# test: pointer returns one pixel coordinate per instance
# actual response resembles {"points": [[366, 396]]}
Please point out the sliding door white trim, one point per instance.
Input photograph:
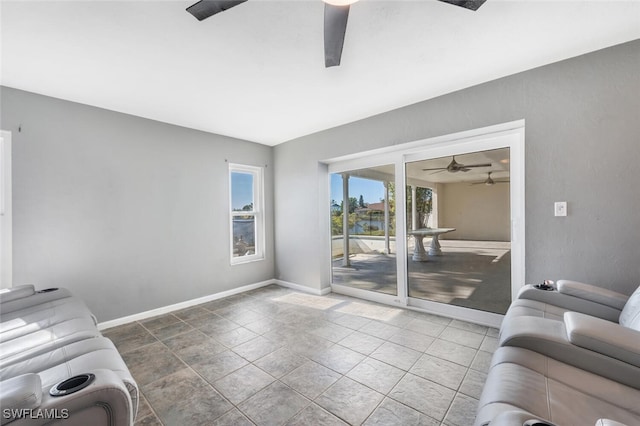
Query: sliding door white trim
{"points": [[509, 135], [6, 220], [514, 140]]}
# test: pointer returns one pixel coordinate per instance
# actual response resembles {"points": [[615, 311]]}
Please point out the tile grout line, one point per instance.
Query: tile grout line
{"points": [[330, 321]]}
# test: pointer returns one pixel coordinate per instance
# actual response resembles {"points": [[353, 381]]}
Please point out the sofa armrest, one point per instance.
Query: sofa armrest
{"points": [[104, 402], [20, 393], [570, 302], [16, 292], [38, 298], [518, 418], [607, 422], [604, 337], [550, 338], [595, 294]]}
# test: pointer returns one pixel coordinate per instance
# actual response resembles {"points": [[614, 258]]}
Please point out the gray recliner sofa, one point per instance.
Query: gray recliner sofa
{"points": [[56, 367], [567, 296], [568, 356]]}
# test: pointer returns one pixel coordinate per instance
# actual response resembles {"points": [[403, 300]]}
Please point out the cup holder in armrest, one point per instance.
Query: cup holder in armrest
{"points": [[545, 288], [536, 422], [47, 290], [532, 422], [72, 384], [547, 285]]}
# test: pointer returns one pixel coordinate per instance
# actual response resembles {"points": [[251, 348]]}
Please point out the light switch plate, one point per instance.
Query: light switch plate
{"points": [[560, 208]]}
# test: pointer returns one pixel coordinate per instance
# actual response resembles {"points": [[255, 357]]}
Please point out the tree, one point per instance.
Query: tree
{"points": [[361, 202], [424, 205], [353, 204], [336, 223]]}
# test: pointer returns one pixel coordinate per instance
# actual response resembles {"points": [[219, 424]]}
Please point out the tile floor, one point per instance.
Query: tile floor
{"points": [[471, 274], [274, 356]]}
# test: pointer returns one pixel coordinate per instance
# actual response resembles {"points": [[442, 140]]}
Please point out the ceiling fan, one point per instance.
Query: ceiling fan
{"points": [[336, 13], [455, 167], [489, 181]]}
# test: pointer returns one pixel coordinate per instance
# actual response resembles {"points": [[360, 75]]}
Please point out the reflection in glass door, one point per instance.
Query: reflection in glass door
{"points": [[363, 224], [458, 228]]}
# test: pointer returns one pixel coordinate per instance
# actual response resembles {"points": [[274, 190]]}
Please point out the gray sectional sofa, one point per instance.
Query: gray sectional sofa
{"points": [[56, 367], [568, 355]]}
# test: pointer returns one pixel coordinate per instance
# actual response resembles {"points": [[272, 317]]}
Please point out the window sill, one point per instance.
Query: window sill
{"points": [[241, 260]]}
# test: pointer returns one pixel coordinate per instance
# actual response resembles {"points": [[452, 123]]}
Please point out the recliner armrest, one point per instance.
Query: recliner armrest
{"points": [[106, 401], [20, 392], [550, 338], [607, 422], [604, 337], [518, 418], [570, 302], [595, 294], [37, 298], [16, 292]]}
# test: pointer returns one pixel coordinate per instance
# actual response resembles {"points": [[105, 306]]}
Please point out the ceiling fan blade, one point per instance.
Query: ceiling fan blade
{"points": [[477, 165], [493, 182], [469, 4], [205, 8], [335, 27], [437, 168]]}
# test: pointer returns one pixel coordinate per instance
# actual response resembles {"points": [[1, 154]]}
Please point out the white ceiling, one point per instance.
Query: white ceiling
{"points": [[498, 158], [256, 72]]}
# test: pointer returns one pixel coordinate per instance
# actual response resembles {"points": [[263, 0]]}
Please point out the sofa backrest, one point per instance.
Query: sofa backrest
{"points": [[630, 315]]}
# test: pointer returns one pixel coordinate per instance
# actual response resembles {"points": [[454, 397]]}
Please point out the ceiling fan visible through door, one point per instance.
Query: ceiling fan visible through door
{"points": [[489, 181], [336, 13], [455, 167]]}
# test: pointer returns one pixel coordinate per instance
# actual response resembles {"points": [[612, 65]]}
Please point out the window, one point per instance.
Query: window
{"points": [[247, 217]]}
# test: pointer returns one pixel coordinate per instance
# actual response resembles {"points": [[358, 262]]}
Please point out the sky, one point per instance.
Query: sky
{"points": [[371, 190], [241, 190]]}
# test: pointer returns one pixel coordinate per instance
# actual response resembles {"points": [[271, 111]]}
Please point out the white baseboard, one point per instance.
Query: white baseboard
{"points": [[182, 305], [303, 288]]}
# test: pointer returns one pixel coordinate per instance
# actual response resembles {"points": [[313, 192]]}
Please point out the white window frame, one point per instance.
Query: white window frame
{"points": [[257, 212]]}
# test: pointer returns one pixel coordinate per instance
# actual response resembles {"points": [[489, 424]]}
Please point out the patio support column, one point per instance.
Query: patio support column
{"points": [[414, 208], [387, 246], [345, 219]]}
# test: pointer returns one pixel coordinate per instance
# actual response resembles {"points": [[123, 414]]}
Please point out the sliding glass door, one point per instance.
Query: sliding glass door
{"points": [[459, 249], [363, 229], [438, 226]]}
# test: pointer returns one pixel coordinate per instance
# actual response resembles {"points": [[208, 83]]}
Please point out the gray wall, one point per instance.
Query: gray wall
{"points": [[478, 212], [128, 213], [582, 146]]}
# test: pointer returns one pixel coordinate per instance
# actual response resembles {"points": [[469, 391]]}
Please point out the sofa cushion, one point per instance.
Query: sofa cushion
{"points": [[520, 379], [35, 318], [630, 315], [46, 339], [533, 308]]}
